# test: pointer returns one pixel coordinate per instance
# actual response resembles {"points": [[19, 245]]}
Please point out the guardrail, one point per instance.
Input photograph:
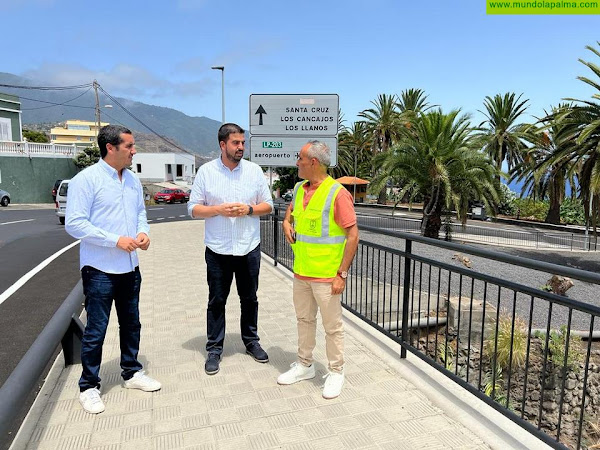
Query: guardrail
{"points": [[32, 149], [511, 345], [488, 235], [64, 328]]}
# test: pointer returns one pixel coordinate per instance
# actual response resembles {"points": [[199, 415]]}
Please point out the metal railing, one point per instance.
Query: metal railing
{"points": [[514, 346], [489, 235], [33, 149], [64, 328]]}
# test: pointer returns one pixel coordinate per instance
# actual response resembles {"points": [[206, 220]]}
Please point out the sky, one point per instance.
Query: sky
{"points": [[161, 52]]}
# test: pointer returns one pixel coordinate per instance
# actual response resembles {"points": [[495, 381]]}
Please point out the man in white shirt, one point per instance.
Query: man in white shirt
{"points": [[105, 209], [231, 193]]}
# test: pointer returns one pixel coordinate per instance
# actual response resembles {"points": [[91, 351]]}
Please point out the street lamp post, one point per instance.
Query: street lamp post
{"points": [[222, 69]]}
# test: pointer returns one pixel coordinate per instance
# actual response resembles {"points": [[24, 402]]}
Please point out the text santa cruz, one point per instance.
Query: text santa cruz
{"points": [[306, 110]]}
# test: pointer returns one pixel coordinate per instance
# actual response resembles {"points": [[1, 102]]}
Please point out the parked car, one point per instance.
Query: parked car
{"points": [[55, 189], [288, 196], [171, 196], [4, 198], [61, 200]]}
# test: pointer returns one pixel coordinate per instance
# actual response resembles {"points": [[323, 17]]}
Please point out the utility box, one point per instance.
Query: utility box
{"points": [[478, 212]]}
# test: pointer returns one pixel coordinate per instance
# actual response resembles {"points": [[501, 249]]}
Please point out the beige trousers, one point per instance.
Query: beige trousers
{"points": [[309, 297]]}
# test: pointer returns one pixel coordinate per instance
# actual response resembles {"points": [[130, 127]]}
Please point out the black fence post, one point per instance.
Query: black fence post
{"points": [[406, 296], [275, 235], [71, 341]]}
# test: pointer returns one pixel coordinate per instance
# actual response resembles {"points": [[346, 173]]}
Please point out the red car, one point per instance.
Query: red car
{"points": [[171, 196]]}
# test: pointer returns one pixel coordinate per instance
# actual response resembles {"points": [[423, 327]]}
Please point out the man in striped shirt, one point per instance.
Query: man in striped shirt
{"points": [[230, 193]]}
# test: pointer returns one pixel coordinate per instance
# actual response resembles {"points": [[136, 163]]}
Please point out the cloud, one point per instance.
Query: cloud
{"points": [[192, 66], [124, 80]]}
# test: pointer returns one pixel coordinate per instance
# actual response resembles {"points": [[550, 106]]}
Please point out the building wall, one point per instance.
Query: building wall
{"points": [[9, 109], [31, 180], [154, 166]]}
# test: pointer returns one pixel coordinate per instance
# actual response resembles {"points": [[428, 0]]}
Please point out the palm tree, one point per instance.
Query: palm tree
{"points": [[544, 173], [382, 123], [502, 137], [437, 158], [587, 116], [354, 146]]}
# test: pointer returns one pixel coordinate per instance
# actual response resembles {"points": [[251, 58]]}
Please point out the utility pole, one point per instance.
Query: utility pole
{"points": [[95, 84], [222, 69]]}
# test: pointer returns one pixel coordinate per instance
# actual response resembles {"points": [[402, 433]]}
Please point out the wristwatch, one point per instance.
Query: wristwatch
{"points": [[250, 210], [343, 274]]}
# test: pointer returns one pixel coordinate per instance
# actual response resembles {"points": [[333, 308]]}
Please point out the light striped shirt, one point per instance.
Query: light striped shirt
{"points": [[100, 209], [215, 184]]}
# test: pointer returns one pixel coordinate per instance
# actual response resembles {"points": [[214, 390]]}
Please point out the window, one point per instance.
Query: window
{"points": [[138, 168], [78, 127], [179, 170], [78, 138], [5, 129], [168, 168], [91, 139]]}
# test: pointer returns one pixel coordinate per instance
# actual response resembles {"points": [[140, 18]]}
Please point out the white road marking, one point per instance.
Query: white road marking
{"points": [[155, 209], [17, 221], [183, 215], [25, 278], [171, 217], [160, 218]]}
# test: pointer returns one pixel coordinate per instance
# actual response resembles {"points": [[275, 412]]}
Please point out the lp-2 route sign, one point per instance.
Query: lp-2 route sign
{"points": [[282, 151], [280, 124]]}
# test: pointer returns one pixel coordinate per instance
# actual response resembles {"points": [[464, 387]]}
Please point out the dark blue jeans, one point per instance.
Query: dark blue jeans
{"points": [[220, 271], [100, 290]]}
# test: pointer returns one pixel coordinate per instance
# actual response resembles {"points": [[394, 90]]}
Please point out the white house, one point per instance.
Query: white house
{"points": [[158, 167]]}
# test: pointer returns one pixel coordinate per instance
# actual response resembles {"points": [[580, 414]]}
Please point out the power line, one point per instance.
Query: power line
{"points": [[52, 104], [114, 100], [47, 88]]}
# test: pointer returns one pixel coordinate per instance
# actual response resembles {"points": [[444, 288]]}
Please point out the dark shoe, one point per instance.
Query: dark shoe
{"points": [[211, 366], [255, 350]]}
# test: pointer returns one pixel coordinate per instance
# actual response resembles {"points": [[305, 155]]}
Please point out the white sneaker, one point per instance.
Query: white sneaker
{"points": [[298, 372], [333, 384], [141, 381], [91, 401]]}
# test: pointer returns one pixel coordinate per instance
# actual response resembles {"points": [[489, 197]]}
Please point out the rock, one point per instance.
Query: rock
{"points": [[535, 396], [560, 285], [570, 384], [550, 405], [463, 259]]}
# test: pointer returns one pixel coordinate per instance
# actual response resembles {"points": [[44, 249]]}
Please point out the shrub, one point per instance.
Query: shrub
{"points": [[528, 208], [506, 201], [556, 345], [571, 212], [519, 342]]}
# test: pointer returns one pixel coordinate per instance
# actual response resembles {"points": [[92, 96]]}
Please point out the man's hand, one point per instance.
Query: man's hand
{"points": [[143, 241], [128, 244], [236, 209], [338, 285], [290, 233]]}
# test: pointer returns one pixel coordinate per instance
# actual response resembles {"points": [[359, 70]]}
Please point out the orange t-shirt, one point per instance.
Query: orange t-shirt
{"points": [[343, 214]]}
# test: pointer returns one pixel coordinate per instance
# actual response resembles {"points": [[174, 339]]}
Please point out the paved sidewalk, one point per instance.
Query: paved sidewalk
{"points": [[241, 407]]}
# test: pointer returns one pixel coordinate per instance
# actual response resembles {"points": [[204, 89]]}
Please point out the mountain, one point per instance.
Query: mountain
{"points": [[195, 134]]}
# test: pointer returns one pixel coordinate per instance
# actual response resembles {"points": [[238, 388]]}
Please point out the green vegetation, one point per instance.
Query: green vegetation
{"points": [[87, 157], [415, 151], [500, 356], [35, 136]]}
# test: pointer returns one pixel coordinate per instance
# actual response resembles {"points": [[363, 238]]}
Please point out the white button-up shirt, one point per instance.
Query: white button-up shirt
{"points": [[215, 184], [100, 209]]}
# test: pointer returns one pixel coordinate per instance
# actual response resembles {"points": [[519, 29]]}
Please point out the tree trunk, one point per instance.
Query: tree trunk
{"points": [[433, 222], [555, 194], [381, 200]]}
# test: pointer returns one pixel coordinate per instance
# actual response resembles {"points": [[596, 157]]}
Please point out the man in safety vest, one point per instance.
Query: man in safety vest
{"points": [[320, 223]]}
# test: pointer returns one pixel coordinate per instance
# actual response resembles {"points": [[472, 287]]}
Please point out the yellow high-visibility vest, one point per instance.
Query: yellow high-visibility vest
{"points": [[320, 242]]}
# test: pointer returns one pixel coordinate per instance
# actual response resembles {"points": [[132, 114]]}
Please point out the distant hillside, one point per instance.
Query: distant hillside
{"points": [[196, 134]]}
